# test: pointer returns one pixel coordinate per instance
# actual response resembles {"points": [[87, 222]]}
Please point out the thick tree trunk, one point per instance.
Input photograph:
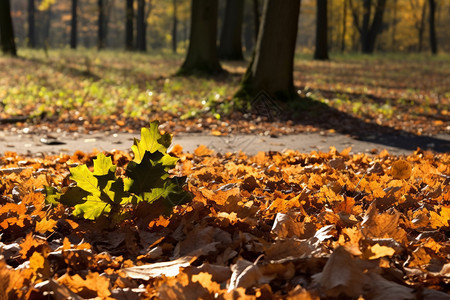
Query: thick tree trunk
{"points": [[129, 15], [141, 40], [432, 25], [6, 29], [73, 28], [367, 5], [369, 33], [174, 27], [101, 24], [321, 51], [202, 56], [271, 69], [31, 24], [231, 37]]}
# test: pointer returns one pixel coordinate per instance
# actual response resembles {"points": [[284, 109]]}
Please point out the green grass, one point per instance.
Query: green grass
{"points": [[101, 86]]}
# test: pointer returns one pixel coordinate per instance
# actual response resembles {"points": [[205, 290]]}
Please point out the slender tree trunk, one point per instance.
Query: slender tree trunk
{"points": [[231, 37], [432, 25], [47, 27], [248, 26], [271, 69], [31, 24], [321, 51], [141, 40], [73, 28], [202, 56], [6, 29], [129, 15], [422, 26], [101, 24], [174, 27], [344, 26]]}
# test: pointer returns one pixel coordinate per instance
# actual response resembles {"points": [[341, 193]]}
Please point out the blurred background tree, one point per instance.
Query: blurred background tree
{"points": [[353, 25]]}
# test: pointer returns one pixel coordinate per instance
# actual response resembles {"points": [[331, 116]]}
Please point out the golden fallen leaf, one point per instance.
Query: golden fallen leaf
{"points": [[401, 169]]}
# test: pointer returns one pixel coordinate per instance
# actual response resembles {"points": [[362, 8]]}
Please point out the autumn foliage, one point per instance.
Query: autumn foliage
{"points": [[275, 225]]}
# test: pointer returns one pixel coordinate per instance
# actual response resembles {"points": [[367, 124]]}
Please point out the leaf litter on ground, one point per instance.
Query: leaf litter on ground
{"points": [[274, 225]]}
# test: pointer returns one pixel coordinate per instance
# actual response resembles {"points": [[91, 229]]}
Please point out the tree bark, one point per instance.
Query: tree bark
{"points": [[141, 39], [129, 15], [271, 68], [369, 32], [202, 57], [432, 25], [321, 51], [7, 29], [231, 36], [101, 24], [174, 27], [73, 28], [31, 24], [367, 6], [422, 26]]}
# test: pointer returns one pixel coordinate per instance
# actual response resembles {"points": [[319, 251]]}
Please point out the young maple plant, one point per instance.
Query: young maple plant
{"points": [[103, 193]]}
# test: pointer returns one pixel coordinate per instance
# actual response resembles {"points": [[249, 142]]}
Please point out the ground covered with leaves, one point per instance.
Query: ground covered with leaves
{"points": [[270, 226], [84, 91]]}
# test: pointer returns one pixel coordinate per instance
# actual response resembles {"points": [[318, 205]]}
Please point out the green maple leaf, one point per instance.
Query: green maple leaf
{"points": [[101, 193], [104, 170], [92, 208], [144, 176], [151, 140], [85, 179], [172, 191]]}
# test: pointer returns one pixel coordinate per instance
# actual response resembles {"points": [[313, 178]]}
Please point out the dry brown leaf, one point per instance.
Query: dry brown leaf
{"points": [[341, 276], [168, 269], [401, 169]]}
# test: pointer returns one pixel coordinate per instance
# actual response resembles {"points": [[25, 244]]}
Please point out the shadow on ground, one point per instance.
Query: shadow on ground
{"points": [[306, 111]]}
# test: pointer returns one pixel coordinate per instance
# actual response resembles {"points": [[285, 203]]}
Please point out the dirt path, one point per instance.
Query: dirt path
{"points": [[251, 144]]}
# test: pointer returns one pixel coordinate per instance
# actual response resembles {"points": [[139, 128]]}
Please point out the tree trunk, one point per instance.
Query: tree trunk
{"points": [[202, 56], [73, 28], [369, 33], [174, 27], [432, 25], [6, 29], [46, 29], [248, 26], [31, 24], [344, 26], [367, 5], [101, 24], [271, 69], [231, 37], [256, 17], [321, 51], [141, 40], [129, 15], [422, 26]]}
